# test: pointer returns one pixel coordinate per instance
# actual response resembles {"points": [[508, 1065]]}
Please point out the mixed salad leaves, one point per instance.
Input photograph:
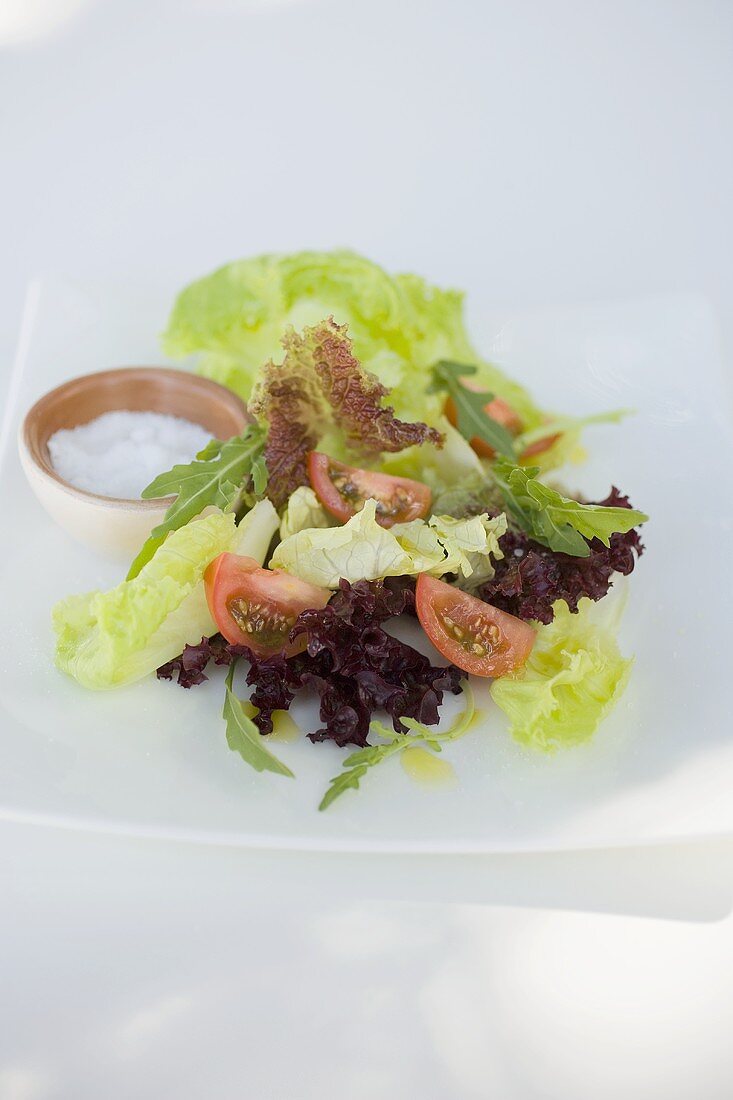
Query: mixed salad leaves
{"points": [[388, 471]]}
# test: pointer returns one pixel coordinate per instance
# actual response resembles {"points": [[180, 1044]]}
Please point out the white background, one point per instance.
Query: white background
{"points": [[533, 153]]}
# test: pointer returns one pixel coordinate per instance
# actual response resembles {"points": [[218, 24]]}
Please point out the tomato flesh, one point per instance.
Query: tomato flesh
{"points": [[502, 412], [257, 607], [343, 489], [478, 638]]}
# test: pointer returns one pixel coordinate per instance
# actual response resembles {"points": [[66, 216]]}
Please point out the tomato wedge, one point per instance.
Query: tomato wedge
{"points": [[343, 489], [538, 447], [502, 412], [257, 607], [472, 634]]}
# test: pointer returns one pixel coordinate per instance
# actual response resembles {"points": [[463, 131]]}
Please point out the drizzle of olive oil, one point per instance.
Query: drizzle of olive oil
{"points": [[283, 727], [426, 768]]}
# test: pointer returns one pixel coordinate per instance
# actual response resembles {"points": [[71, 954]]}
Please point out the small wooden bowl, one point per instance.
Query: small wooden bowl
{"points": [[117, 527]]}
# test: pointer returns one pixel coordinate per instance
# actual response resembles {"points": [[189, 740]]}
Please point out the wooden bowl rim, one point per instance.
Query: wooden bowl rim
{"points": [[205, 386]]}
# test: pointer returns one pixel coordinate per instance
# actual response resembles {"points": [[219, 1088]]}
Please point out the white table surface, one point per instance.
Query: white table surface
{"points": [[534, 152]]}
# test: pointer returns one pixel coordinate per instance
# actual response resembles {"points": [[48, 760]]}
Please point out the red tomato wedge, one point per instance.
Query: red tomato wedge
{"points": [[257, 607], [502, 412], [472, 634], [343, 489], [538, 447]]}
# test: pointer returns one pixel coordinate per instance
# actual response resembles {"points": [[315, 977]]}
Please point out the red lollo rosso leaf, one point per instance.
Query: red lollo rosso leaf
{"points": [[319, 385], [189, 668], [355, 666], [530, 577], [351, 663]]}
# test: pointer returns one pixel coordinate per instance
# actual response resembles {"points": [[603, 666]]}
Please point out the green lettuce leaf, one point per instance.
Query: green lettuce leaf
{"points": [[256, 530], [233, 320], [363, 550], [554, 520], [359, 550], [471, 543], [105, 639], [235, 317], [303, 510], [573, 678], [451, 465]]}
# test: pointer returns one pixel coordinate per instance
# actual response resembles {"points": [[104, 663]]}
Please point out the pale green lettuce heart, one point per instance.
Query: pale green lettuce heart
{"points": [[105, 639], [359, 550], [471, 545], [302, 511], [363, 550], [573, 678], [235, 317], [453, 464]]}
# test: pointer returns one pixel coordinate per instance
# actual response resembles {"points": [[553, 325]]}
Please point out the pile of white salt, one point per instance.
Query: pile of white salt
{"points": [[119, 453]]}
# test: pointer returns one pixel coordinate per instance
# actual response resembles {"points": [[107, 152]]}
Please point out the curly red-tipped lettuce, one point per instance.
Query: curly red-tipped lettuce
{"points": [[188, 669], [530, 577], [351, 663], [320, 386]]}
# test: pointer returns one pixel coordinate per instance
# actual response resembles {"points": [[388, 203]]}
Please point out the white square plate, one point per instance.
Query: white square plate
{"points": [[152, 759]]}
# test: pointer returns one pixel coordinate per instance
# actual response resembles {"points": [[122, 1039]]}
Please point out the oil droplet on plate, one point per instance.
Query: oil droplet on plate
{"points": [[426, 768], [283, 727]]}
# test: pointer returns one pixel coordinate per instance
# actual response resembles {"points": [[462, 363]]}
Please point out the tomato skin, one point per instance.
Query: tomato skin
{"points": [[502, 412], [233, 583], [538, 447], [506, 640], [402, 499]]}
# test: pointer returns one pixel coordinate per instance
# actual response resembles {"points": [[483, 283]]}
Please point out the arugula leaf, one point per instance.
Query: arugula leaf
{"points": [[211, 450], [258, 474], [146, 553], [556, 521], [355, 768], [217, 476], [243, 736], [358, 763], [472, 420]]}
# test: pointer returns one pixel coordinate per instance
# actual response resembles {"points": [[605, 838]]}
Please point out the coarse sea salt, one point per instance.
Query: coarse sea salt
{"points": [[119, 453]]}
